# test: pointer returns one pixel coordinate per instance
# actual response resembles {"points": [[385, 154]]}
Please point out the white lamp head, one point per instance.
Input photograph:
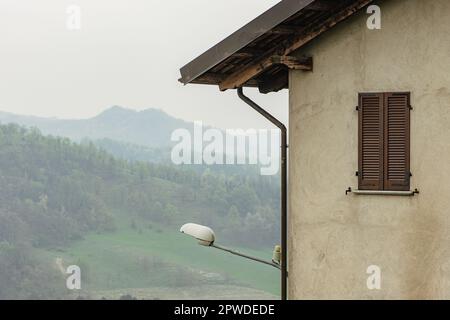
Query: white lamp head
{"points": [[204, 235]]}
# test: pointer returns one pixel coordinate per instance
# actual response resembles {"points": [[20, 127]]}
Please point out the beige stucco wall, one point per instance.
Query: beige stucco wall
{"points": [[334, 237]]}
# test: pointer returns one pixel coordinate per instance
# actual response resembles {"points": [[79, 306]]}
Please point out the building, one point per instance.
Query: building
{"points": [[375, 102]]}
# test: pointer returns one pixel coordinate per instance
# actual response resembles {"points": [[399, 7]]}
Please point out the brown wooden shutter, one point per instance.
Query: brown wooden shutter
{"points": [[371, 141], [397, 141]]}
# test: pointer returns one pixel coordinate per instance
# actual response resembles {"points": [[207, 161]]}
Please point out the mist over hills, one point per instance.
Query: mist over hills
{"points": [[65, 202], [149, 128], [91, 191], [125, 133]]}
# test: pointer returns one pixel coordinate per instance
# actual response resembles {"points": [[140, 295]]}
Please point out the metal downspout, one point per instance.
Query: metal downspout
{"points": [[284, 146]]}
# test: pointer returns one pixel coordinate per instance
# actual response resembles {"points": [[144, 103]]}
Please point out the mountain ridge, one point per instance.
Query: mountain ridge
{"points": [[149, 127]]}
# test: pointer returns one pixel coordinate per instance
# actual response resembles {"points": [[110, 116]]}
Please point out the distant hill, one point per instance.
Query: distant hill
{"points": [[124, 133], [150, 128]]}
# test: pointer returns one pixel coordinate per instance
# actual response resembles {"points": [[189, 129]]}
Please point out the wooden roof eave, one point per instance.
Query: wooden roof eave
{"points": [[267, 66]]}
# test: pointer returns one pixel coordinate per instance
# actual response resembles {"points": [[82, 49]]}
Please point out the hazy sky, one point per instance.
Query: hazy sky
{"points": [[127, 53]]}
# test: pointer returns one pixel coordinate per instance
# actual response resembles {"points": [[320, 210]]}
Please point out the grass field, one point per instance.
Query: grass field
{"points": [[148, 256]]}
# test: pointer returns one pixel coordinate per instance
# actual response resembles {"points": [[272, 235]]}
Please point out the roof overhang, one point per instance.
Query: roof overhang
{"points": [[259, 54]]}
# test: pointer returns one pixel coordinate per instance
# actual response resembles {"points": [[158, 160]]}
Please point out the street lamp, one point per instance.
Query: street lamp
{"points": [[206, 237]]}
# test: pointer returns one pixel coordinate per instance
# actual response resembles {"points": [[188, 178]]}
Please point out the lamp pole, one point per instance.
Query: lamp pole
{"points": [[237, 253]]}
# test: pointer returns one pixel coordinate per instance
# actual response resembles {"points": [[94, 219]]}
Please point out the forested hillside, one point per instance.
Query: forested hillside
{"points": [[54, 192]]}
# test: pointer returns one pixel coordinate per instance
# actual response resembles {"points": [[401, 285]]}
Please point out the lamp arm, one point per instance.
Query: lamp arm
{"points": [[247, 256]]}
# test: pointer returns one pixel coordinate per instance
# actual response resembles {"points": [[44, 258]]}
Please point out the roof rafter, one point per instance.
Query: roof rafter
{"points": [[294, 63], [321, 5]]}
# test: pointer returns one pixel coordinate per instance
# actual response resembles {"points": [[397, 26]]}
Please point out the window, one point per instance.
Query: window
{"points": [[384, 141]]}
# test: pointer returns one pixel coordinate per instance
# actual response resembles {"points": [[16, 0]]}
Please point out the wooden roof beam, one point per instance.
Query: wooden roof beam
{"points": [[294, 63], [321, 5], [215, 78], [248, 53], [285, 30], [304, 63], [255, 68]]}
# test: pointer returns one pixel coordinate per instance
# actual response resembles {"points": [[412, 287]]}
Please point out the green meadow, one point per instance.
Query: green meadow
{"points": [[147, 256]]}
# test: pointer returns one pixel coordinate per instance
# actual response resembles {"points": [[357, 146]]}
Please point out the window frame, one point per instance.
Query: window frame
{"points": [[383, 183]]}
